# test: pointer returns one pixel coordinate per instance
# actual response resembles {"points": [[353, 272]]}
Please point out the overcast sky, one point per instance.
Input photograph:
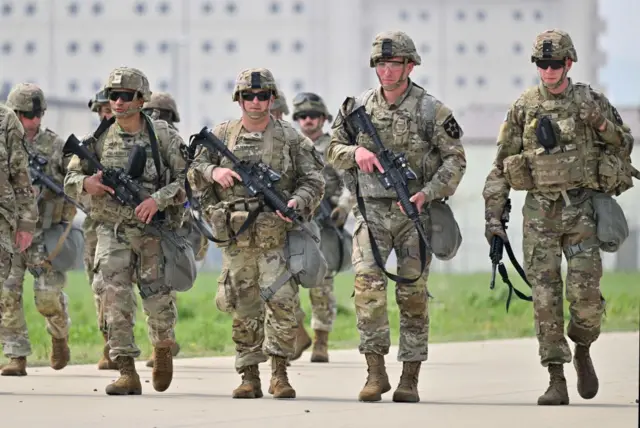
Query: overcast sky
{"points": [[621, 41]]}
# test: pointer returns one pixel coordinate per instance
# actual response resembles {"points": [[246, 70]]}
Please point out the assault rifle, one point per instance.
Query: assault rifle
{"points": [[126, 190], [257, 177]]}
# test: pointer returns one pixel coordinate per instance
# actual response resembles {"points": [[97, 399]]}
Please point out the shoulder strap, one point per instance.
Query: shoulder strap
{"points": [[154, 150], [428, 107], [234, 133], [364, 98]]}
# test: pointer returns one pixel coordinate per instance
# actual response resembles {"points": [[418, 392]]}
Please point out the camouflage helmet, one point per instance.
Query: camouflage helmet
{"points": [[389, 44], [309, 102], [254, 78], [26, 97], [163, 101], [129, 78], [280, 104], [553, 44], [98, 99]]}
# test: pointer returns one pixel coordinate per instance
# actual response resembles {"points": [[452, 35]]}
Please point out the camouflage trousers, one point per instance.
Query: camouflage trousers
{"points": [[548, 228], [50, 300], [392, 230], [259, 330], [124, 253], [323, 306], [90, 243]]}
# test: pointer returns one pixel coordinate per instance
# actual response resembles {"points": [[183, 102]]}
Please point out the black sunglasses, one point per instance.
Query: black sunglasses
{"points": [[123, 95], [304, 115], [555, 64], [32, 114], [262, 95], [305, 96]]}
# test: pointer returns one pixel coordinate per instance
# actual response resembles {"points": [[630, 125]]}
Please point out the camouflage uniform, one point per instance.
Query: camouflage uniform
{"points": [[256, 258], [279, 107], [427, 132], [18, 210], [323, 301], [50, 300], [124, 251], [558, 214]]}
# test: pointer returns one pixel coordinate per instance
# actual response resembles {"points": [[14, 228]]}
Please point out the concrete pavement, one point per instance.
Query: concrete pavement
{"points": [[479, 384]]}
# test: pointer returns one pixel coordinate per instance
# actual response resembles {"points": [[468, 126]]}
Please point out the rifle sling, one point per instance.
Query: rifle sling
{"points": [[505, 276]]}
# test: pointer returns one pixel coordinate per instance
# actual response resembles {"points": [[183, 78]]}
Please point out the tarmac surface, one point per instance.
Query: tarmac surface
{"points": [[477, 384]]}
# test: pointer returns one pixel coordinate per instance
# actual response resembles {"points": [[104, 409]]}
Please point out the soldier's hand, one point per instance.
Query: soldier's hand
{"points": [[339, 216], [291, 204], [590, 112], [23, 240], [366, 160], [494, 228], [418, 199], [93, 185], [146, 210], [224, 176]]}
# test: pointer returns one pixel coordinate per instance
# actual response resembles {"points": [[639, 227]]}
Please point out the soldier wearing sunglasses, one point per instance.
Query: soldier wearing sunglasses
{"points": [[29, 103], [560, 165]]}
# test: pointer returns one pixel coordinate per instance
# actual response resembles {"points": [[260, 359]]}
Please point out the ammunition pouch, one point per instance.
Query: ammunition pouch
{"points": [[236, 220], [219, 219], [64, 243], [225, 295], [517, 172], [445, 232], [562, 166]]}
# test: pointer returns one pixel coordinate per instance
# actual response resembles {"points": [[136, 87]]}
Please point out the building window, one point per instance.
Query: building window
{"points": [[424, 15], [481, 81], [425, 48], [461, 81], [72, 86], [298, 85], [72, 48], [460, 15], [72, 9], [140, 8], [274, 46], [403, 15], [230, 85], [274, 7], [140, 47], [30, 47], [97, 8], [96, 47], [231, 8], [206, 46], [481, 48], [206, 85], [30, 9], [163, 47], [298, 7], [517, 15], [231, 46], [6, 9], [517, 48], [6, 48], [517, 82], [207, 8], [6, 88], [424, 81], [481, 15], [163, 85], [537, 15], [298, 46], [97, 85], [461, 48], [164, 8]]}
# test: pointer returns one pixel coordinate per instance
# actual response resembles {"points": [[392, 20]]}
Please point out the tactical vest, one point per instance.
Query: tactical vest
{"points": [[333, 180], [400, 131]]}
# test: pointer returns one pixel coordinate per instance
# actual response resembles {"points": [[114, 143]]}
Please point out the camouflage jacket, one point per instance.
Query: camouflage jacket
{"points": [[581, 147], [112, 149], [280, 146], [334, 188], [418, 125], [18, 210], [52, 209]]}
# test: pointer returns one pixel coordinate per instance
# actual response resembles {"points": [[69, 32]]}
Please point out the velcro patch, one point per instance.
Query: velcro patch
{"points": [[451, 127]]}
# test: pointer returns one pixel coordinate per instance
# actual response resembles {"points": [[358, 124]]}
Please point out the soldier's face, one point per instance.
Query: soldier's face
{"points": [[277, 114], [124, 102], [256, 102], [551, 70], [105, 112], [310, 122], [30, 121], [392, 70]]}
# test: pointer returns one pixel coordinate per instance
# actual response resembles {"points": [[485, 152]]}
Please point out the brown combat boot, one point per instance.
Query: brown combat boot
{"points": [[250, 386], [303, 342], [129, 382], [279, 386], [105, 362], [16, 367], [60, 353], [587, 379], [162, 373], [175, 348], [557, 393], [377, 379], [320, 353], [407, 391]]}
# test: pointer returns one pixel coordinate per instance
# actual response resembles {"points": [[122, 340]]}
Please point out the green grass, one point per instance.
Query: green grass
{"points": [[463, 308]]}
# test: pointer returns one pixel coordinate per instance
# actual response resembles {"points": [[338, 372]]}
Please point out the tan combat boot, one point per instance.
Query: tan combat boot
{"points": [[175, 348], [16, 367], [250, 386], [557, 393], [129, 382], [162, 372], [587, 379], [303, 342], [407, 391], [105, 362], [320, 353], [377, 379], [279, 386], [60, 353]]}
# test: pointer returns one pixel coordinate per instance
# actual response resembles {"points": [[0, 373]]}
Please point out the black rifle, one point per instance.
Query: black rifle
{"points": [[396, 175], [257, 177], [126, 190], [496, 253]]}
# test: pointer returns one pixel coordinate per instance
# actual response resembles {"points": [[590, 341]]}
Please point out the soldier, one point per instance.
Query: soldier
{"points": [[124, 250], [311, 113], [558, 211], [28, 102], [99, 104], [408, 120], [17, 201], [279, 107], [255, 258]]}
